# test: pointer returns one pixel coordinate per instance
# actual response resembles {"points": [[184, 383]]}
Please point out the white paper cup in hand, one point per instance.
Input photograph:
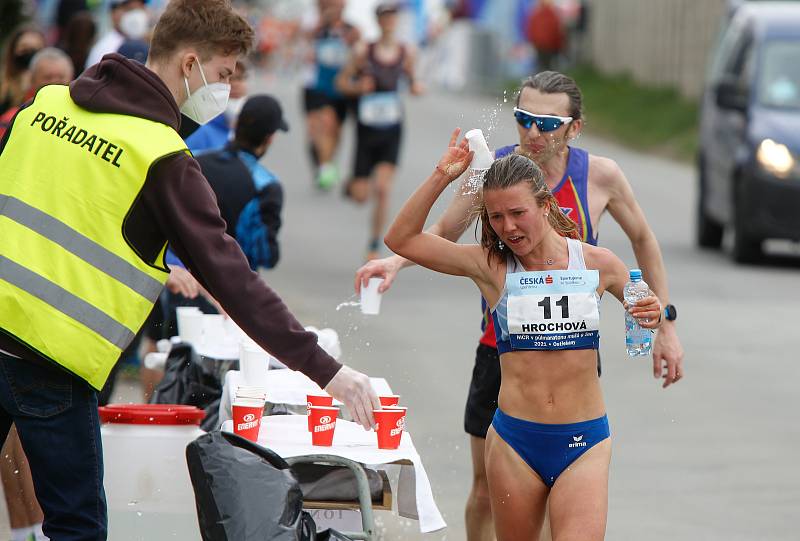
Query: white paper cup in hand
{"points": [[370, 298]]}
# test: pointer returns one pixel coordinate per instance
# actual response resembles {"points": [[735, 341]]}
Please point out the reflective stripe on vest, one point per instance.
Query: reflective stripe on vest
{"points": [[85, 248], [71, 286], [65, 302]]}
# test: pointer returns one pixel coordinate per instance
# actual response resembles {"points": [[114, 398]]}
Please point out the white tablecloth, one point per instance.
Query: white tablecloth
{"points": [[288, 436], [284, 387]]}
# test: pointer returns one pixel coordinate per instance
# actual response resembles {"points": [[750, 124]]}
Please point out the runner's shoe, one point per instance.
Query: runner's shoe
{"points": [[328, 176], [373, 250]]}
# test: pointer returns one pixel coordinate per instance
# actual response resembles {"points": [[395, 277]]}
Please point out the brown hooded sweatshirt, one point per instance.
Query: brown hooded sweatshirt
{"points": [[178, 205]]}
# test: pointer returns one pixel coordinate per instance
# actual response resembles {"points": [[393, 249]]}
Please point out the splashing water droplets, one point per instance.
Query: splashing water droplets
{"points": [[472, 184], [347, 304]]}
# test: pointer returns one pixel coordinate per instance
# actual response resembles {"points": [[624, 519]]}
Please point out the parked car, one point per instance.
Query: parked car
{"points": [[749, 156]]}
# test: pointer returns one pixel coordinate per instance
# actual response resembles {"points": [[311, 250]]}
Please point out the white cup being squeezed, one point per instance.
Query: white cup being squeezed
{"points": [[370, 298]]}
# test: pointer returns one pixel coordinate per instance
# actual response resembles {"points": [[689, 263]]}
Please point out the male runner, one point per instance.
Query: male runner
{"points": [[326, 108], [549, 115]]}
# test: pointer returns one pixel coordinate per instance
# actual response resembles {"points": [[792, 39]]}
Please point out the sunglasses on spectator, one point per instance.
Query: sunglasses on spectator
{"points": [[544, 123]]}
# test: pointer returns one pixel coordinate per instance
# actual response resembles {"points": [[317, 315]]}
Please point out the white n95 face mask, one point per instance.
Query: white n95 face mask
{"points": [[134, 23], [207, 102]]}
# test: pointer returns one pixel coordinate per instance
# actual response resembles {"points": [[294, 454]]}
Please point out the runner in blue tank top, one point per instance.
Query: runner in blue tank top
{"points": [[548, 116], [550, 441], [326, 108]]}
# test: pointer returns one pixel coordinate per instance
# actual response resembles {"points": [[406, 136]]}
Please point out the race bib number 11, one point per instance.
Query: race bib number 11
{"points": [[553, 310]]}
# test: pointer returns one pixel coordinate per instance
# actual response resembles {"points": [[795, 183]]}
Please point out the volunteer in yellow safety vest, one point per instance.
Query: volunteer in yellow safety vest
{"points": [[94, 181]]}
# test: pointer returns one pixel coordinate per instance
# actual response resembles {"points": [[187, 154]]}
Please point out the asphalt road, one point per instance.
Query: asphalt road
{"points": [[710, 458]]}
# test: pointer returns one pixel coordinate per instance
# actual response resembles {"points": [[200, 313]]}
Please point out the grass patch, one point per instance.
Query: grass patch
{"points": [[653, 119]]}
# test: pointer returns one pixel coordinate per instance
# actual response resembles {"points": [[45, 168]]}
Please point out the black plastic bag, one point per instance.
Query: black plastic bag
{"points": [[211, 420], [186, 380], [245, 492], [334, 483]]}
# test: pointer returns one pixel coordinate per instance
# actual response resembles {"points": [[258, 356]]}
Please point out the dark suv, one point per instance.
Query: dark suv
{"points": [[749, 159]]}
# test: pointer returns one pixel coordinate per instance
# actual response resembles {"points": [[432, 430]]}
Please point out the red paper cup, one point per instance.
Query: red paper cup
{"points": [[389, 400], [390, 424], [247, 414], [323, 424], [316, 400], [404, 409]]}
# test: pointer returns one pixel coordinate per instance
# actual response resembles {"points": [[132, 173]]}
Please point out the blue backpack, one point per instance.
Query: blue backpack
{"points": [[252, 233]]}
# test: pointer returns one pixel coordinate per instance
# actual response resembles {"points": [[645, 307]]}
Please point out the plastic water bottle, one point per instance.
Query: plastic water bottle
{"points": [[637, 339]]}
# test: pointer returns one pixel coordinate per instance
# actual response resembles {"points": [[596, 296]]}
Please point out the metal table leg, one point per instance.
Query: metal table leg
{"points": [[364, 496]]}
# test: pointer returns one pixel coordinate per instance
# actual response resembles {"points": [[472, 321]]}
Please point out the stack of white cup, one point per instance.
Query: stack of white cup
{"points": [[251, 392], [247, 410]]}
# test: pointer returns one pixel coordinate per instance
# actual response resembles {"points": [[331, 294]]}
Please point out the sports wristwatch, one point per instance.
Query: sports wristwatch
{"points": [[670, 313]]}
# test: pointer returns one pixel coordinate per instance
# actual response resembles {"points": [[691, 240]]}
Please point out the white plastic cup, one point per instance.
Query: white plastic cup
{"points": [[483, 156], [214, 331], [370, 298], [190, 324], [155, 360], [253, 364], [233, 331], [255, 392]]}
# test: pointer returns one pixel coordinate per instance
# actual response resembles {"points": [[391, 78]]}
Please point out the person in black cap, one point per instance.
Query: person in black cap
{"points": [[250, 197]]}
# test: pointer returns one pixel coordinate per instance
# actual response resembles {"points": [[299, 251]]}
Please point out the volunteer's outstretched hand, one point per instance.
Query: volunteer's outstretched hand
{"points": [[355, 391]]}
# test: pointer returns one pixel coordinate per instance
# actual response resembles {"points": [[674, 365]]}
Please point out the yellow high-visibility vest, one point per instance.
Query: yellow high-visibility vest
{"points": [[72, 287]]}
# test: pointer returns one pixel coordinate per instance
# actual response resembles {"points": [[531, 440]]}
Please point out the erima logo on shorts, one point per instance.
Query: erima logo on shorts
{"points": [[577, 442]]}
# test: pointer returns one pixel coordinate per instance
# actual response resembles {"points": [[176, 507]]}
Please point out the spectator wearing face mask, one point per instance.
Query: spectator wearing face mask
{"points": [[216, 134], [129, 20], [20, 48]]}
